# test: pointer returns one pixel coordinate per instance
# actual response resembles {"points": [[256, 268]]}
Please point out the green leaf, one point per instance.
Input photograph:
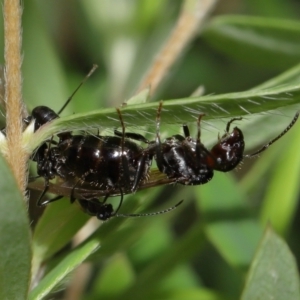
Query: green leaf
{"points": [[55, 229], [289, 77], [141, 97], [256, 40], [181, 251], [228, 224], [188, 293], [175, 111], [15, 249], [116, 276], [273, 274], [235, 240], [41, 54], [67, 265], [281, 199]]}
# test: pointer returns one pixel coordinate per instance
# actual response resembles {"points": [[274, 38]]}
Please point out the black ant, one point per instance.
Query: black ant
{"points": [[189, 162], [117, 163], [110, 163]]}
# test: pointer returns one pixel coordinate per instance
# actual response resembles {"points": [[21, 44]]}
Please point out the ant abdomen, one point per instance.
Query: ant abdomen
{"points": [[98, 161]]}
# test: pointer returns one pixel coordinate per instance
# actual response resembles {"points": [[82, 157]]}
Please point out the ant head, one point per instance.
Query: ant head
{"points": [[105, 212], [42, 115], [228, 152], [94, 207]]}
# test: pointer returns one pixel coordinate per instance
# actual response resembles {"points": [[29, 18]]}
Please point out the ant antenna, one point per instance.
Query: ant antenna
{"points": [[149, 214], [81, 83], [275, 139], [231, 121], [157, 138], [198, 140]]}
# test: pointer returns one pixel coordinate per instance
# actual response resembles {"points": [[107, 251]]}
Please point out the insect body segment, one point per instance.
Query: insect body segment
{"points": [[98, 160], [228, 152], [181, 158]]}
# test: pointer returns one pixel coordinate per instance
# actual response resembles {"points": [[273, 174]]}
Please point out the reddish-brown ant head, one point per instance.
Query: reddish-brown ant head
{"points": [[228, 152]]}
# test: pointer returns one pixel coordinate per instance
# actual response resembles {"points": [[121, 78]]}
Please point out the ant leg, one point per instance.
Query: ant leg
{"points": [[125, 178], [72, 196], [276, 138], [140, 171], [200, 148], [231, 121], [105, 198], [199, 128], [133, 136], [158, 150], [51, 200], [186, 131], [34, 178], [199, 145], [142, 161], [120, 204], [51, 141], [46, 187]]}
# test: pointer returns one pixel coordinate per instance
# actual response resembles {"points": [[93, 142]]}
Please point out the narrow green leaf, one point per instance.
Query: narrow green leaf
{"points": [[273, 274], [228, 224], [42, 55], [282, 195], [182, 250], [65, 267], [235, 240], [55, 229], [175, 111], [289, 77], [141, 97], [15, 248], [116, 276], [256, 40], [190, 294]]}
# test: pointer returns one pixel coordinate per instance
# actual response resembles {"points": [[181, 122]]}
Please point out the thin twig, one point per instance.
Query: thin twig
{"points": [[16, 154], [190, 21]]}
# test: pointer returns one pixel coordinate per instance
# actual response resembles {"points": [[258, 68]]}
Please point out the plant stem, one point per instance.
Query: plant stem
{"points": [[16, 154], [190, 21]]}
